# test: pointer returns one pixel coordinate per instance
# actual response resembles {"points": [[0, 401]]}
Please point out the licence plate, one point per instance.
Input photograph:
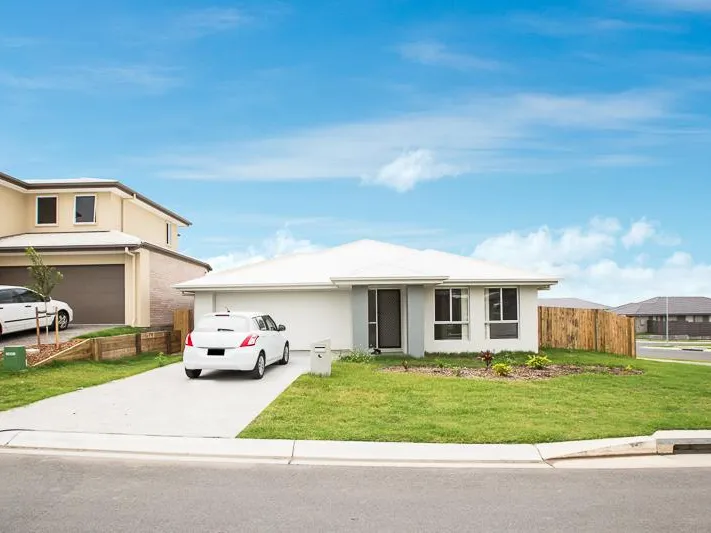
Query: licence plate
{"points": [[215, 351]]}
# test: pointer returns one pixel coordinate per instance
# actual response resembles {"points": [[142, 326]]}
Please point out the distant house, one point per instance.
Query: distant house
{"points": [[688, 315], [117, 249], [570, 303]]}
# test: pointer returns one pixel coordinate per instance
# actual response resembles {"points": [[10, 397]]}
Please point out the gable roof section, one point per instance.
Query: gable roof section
{"points": [[361, 263], [93, 183], [570, 303], [678, 305]]}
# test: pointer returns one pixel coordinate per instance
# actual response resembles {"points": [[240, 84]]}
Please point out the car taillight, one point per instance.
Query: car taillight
{"points": [[188, 340], [250, 340]]}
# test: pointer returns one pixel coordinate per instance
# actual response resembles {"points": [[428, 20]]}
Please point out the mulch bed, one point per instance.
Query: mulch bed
{"points": [[46, 351], [518, 373]]}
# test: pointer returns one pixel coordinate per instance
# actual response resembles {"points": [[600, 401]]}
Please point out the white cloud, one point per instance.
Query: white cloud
{"points": [[437, 54], [640, 232], [565, 26], [476, 136], [90, 79], [281, 243], [410, 168], [587, 260]]}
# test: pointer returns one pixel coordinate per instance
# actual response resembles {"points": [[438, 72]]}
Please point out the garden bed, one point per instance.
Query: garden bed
{"points": [[46, 351], [516, 373]]}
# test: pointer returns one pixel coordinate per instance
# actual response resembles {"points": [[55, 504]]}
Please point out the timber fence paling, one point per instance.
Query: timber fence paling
{"points": [[586, 329]]}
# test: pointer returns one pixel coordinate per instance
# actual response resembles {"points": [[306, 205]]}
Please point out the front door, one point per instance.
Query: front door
{"points": [[384, 319]]}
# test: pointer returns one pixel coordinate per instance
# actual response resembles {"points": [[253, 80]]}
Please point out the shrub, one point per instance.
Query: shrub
{"points": [[458, 371], [487, 356], [357, 356], [502, 369], [161, 359], [405, 365], [538, 362]]}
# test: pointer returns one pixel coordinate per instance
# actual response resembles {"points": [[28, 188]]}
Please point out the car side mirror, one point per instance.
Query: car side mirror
{"points": [[281, 327]]}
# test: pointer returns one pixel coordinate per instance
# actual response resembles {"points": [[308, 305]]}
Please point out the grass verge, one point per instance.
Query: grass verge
{"points": [[112, 332], [22, 388], [359, 402]]}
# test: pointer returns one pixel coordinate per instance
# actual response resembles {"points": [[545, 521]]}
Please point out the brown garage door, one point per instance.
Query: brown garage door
{"points": [[95, 293]]}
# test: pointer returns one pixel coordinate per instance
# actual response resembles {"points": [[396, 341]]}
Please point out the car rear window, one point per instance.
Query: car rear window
{"points": [[223, 322]]}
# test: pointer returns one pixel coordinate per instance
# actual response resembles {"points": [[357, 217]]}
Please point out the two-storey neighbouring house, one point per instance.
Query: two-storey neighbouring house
{"points": [[117, 249]]}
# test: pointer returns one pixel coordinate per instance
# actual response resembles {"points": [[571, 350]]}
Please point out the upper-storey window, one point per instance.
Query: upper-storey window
{"points": [[169, 233], [46, 211], [85, 209]]}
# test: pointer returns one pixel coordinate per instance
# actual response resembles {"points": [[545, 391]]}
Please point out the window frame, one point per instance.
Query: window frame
{"points": [[466, 323], [488, 320], [168, 233], [56, 210], [77, 196]]}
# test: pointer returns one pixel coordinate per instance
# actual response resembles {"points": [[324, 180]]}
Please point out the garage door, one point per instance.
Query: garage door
{"points": [[95, 293], [309, 316]]}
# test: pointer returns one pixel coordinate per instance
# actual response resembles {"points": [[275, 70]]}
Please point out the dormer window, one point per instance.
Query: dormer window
{"points": [[85, 209], [46, 211]]}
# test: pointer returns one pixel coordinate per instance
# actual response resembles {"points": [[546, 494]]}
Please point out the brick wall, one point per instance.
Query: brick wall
{"points": [[166, 271]]}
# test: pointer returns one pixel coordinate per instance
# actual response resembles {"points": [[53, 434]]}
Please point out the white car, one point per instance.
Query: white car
{"points": [[235, 341], [19, 306]]}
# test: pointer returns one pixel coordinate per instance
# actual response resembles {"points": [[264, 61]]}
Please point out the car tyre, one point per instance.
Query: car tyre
{"points": [[285, 356], [63, 320], [193, 373], [259, 367]]}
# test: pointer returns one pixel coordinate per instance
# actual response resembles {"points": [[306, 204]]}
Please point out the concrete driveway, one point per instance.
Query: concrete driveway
{"points": [[25, 338], [162, 402]]}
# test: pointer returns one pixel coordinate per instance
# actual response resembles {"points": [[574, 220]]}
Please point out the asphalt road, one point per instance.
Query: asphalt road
{"points": [[57, 494], [649, 350]]}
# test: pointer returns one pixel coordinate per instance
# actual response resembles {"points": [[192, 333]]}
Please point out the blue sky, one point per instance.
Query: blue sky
{"points": [[570, 137]]}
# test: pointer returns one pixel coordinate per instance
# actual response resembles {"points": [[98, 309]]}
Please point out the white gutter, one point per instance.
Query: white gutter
{"points": [[135, 285]]}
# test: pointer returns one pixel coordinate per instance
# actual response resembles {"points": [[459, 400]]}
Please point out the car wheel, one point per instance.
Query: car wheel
{"points": [[193, 373], [259, 366], [63, 320], [285, 356]]}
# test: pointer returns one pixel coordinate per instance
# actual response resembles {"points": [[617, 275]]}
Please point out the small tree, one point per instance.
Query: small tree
{"points": [[43, 278]]}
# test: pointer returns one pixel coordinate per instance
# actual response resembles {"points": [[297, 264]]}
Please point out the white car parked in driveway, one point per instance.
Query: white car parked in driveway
{"points": [[19, 305], [235, 341]]}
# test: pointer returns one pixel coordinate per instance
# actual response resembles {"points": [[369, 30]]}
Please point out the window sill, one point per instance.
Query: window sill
{"points": [[85, 223], [46, 225]]}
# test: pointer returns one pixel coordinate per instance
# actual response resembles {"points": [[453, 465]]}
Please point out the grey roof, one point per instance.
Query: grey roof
{"points": [[570, 303], [678, 305]]}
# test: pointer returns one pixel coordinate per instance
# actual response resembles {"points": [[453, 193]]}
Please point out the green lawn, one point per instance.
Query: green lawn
{"points": [[112, 332], [21, 388], [361, 403]]}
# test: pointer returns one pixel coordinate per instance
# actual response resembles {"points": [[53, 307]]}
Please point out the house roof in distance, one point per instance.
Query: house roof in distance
{"points": [[365, 262], [91, 183], [570, 303], [678, 305]]}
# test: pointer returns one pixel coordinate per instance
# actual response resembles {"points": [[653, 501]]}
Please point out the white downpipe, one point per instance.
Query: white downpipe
{"points": [[134, 313]]}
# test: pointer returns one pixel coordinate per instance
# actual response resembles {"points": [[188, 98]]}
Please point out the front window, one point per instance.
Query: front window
{"points": [[46, 210], [502, 313], [451, 314], [85, 209]]}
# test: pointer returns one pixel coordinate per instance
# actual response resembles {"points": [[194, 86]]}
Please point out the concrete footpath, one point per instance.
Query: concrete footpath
{"points": [[651, 451]]}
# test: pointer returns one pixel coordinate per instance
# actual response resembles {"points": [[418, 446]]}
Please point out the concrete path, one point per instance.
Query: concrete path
{"points": [[161, 402], [651, 350]]}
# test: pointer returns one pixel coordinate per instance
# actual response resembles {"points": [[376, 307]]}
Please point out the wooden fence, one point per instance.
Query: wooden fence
{"points": [[586, 329], [109, 348], [183, 323]]}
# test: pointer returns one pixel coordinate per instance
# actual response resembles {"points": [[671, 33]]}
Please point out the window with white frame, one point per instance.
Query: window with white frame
{"points": [[451, 314], [168, 233], [85, 209], [502, 313]]}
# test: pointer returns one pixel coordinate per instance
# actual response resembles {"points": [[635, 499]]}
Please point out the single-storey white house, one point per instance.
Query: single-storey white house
{"points": [[370, 294]]}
